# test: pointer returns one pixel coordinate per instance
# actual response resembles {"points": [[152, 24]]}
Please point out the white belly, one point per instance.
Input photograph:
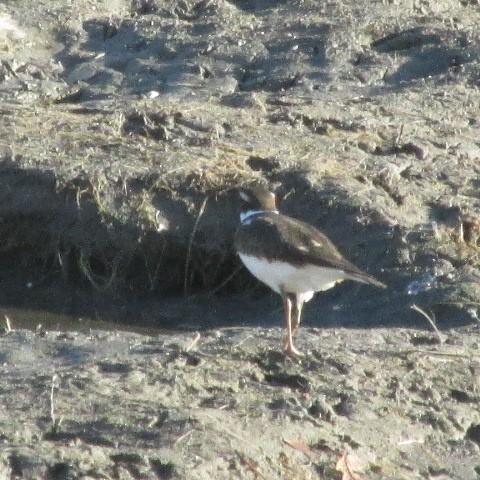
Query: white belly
{"points": [[281, 276]]}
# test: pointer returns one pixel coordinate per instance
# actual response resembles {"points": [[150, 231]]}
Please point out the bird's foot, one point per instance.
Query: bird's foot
{"points": [[290, 350]]}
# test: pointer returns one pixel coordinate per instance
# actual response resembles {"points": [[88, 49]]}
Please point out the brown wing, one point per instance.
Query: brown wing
{"points": [[277, 236]]}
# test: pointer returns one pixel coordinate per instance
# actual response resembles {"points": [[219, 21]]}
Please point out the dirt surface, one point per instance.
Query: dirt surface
{"points": [[392, 403], [125, 128]]}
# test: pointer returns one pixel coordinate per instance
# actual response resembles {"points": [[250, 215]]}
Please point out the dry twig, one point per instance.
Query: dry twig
{"points": [[190, 244], [430, 320], [194, 342], [8, 325]]}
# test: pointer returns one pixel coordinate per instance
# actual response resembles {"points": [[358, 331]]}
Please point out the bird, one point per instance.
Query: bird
{"points": [[290, 256]]}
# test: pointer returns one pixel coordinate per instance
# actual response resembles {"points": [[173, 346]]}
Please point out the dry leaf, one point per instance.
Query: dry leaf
{"points": [[301, 447]]}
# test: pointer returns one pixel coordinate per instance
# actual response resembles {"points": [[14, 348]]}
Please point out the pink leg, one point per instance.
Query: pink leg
{"points": [[297, 314], [288, 347]]}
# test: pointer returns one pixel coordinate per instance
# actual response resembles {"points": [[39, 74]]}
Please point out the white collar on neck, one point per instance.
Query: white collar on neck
{"points": [[247, 217]]}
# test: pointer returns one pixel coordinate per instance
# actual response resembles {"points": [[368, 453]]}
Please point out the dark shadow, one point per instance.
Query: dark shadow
{"points": [[60, 253], [106, 432], [256, 6], [430, 62], [428, 53], [144, 63], [123, 55], [276, 70]]}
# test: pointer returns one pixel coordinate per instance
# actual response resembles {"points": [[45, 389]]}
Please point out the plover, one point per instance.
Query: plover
{"points": [[290, 256]]}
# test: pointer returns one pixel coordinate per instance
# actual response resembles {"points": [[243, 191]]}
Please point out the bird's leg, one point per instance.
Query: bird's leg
{"points": [[297, 305], [288, 346], [287, 308]]}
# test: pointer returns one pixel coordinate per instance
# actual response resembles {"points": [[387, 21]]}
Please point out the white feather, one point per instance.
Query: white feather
{"points": [[246, 217], [282, 276]]}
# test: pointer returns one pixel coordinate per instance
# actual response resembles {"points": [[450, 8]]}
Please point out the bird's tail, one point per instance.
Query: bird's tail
{"points": [[365, 278]]}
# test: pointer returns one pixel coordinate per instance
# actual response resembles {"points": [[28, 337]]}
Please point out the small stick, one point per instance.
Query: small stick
{"points": [[8, 325], [399, 136], [218, 287], [430, 320], [241, 342], [410, 441], [181, 437], [441, 354], [56, 422], [52, 400], [193, 342], [190, 244]]}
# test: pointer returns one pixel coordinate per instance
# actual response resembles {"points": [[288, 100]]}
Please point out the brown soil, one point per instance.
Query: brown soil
{"points": [[127, 125]]}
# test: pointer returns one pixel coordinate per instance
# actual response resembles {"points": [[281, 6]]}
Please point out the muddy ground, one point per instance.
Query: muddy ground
{"points": [[229, 405], [125, 128]]}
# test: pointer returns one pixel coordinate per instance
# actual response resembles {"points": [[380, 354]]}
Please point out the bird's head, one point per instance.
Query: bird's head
{"points": [[256, 200]]}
